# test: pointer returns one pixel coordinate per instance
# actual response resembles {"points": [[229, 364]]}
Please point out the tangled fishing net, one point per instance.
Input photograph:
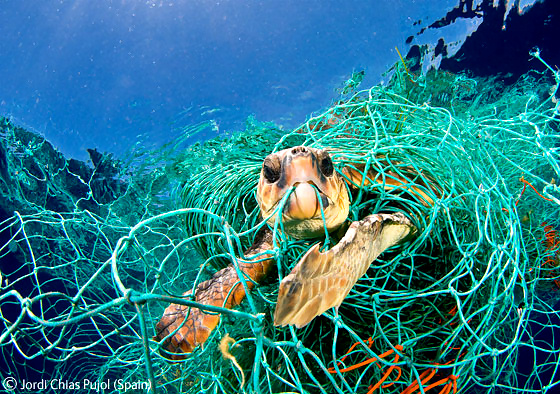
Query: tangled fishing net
{"points": [[95, 255]]}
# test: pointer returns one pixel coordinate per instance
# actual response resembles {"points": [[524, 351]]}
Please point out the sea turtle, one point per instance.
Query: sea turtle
{"points": [[318, 199]]}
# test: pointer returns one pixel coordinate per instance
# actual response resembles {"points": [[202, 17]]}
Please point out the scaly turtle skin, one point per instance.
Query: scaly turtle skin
{"points": [[320, 280]]}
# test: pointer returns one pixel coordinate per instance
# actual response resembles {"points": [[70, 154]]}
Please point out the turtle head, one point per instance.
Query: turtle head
{"points": [[310, 172]]}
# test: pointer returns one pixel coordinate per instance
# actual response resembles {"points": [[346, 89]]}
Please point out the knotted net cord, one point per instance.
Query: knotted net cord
{"points": [[453, 309]]}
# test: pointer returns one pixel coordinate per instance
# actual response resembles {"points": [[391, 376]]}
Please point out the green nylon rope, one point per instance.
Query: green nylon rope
{"points": [[472, 292]]}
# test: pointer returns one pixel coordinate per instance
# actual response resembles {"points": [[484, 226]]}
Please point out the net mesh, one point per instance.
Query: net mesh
{"points": [[93, 254]]}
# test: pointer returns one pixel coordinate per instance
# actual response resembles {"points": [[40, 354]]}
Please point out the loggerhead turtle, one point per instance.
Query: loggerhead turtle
{"points": [[319, 198]]}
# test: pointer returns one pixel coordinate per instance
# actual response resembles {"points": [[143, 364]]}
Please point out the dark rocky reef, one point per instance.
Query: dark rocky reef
{"points": [[500, 45], [34, 176]]}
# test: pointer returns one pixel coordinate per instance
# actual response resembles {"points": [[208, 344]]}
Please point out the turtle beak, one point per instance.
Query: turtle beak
{"points": [[304, 202]]}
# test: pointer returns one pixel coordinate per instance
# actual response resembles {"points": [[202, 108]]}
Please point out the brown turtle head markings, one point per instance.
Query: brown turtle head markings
{"points": [[308, 171]]}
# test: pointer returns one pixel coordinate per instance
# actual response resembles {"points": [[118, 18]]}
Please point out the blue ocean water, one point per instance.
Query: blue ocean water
{"points": [[107, 75], [96, 74]]}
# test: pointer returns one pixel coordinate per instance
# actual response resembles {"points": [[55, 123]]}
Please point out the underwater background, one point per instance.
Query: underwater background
{"points": [[132, 137]]}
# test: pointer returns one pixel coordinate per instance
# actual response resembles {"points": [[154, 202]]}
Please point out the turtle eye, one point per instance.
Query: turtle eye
{"points": [[271, 169], [326, 165]]}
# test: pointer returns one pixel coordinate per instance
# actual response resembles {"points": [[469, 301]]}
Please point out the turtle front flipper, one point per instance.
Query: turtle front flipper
{"points": [[224, 289], [320, 281]]}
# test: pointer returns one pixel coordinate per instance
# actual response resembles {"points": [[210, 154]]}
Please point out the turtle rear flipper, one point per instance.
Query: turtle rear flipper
{"points": [[320, 281]]}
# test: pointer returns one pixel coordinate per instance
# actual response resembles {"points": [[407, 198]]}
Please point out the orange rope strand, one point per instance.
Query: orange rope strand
{"points": [[386, 374], [438, 383], [368, 361], [333, 370], [410, 389], [450, 382], [533, 187], [525, 183], [371, 360], [446, 389]]}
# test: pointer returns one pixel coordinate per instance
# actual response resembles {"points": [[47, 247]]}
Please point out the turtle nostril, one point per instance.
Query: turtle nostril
{"points": [[299, 150]]}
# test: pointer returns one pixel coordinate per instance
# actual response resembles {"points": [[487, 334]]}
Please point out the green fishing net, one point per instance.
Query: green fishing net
{"points": [[467, 304]]}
